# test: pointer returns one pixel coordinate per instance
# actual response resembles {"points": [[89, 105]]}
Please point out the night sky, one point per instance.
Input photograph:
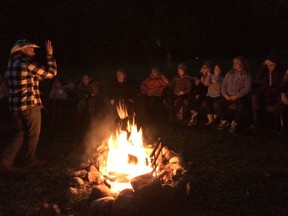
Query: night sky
{"points": [[87, 32]]}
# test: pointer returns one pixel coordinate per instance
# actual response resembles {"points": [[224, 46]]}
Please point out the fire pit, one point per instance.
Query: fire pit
{"points": [[125, 175]]}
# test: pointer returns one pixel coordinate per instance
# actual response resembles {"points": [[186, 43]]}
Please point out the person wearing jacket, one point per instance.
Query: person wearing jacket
{"points": [[23, 76], [181, 87], [234, 89]]}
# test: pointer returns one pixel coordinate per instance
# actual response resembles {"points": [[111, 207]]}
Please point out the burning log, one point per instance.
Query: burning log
{"points": [[147, 186]]}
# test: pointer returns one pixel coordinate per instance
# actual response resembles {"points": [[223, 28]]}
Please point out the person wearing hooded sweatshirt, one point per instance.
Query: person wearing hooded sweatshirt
{"points": [[181, 85], [234, 89], [23, 76], [268, 81]]}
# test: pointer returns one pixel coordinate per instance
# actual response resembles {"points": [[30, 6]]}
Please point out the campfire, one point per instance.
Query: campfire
{"points": [[126, 156], [125, 174]]}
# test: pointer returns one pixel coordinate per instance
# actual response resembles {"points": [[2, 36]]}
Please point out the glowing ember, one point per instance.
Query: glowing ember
{"points": [[127, 157]]}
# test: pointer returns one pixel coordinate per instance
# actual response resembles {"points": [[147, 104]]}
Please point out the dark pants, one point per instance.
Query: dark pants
{"points": [[222, 105], [27, 124], [175, 103], [196, 102], [154, 106], [210, 104]]}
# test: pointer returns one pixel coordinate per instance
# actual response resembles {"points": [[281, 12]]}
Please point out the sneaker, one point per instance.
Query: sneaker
{"points": [[233, 127], [209, 123], [193, 120], [223, 124]]}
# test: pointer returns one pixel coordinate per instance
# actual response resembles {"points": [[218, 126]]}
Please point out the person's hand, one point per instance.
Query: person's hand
{"points": [[227, 97], [49, 47], [180, 93], [233, 97]]}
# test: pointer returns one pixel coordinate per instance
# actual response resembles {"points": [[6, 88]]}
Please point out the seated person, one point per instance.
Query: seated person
{"points": [[199, 92], [181, 86], [120, 92], [152, 89], [213, 81], [234, 89], [268, 81], [87, 91]]}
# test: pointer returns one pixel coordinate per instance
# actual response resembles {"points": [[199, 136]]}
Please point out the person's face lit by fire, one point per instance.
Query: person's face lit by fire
{"points": [[86, 80], [238, 64], [120, 76], [217, 71], [181, 72], [205, 70], [154, 74], [270, 65], [28, 51]]}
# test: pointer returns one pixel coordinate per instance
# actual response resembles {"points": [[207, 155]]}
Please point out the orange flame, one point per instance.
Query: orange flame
{"points": [[127, 156]]}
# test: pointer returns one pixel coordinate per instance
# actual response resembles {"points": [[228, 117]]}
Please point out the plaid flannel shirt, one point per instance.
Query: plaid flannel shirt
{"points": [[23, 77]]}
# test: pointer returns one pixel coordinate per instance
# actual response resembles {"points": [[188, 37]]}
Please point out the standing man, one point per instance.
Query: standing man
{"points": [[22, 76]]}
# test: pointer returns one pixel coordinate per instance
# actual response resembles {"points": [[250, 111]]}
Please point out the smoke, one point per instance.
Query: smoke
{"points": [[99, 132]]}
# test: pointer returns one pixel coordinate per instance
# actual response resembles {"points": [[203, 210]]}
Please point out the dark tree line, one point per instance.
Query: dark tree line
{"points": [[89, 31]]}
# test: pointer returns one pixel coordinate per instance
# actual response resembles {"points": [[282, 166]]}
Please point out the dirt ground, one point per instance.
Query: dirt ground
{"points": [[234, 174]]}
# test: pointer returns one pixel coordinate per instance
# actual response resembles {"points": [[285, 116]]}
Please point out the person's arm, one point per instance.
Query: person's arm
{"points": [[247, 87], [207, 79], [50, 70]]}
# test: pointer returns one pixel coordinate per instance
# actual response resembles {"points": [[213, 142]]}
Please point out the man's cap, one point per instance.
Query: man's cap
{"points": [[21, 44]]}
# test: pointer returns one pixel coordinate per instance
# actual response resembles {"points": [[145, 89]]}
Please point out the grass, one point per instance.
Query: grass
{"points": [[233, 174]]}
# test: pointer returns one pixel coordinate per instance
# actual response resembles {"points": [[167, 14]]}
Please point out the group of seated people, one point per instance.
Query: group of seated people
{"points": [[251, 96], [211, 92]]}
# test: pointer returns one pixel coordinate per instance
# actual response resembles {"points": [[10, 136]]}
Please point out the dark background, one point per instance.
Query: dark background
{"points": [[122, 31]]}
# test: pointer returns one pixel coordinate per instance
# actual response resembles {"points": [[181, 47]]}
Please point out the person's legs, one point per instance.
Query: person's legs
{"points": [[240, 106], [32, 118], [15, 142], [209, 110], [220, 108]]}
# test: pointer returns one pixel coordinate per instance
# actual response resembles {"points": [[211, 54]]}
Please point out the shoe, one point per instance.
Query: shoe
{"points": [[193, 121], [233, 127], [223, 124], [209, 123]]}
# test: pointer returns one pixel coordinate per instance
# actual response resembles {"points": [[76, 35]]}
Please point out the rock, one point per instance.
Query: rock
{"points": [[76, 182], [102, 205], [126, 203], [91, 168], [80, 173], [174, 160], [72, 193], [147, 187], [95, 176], [100, 191], [84, 165], [77, 194]]}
